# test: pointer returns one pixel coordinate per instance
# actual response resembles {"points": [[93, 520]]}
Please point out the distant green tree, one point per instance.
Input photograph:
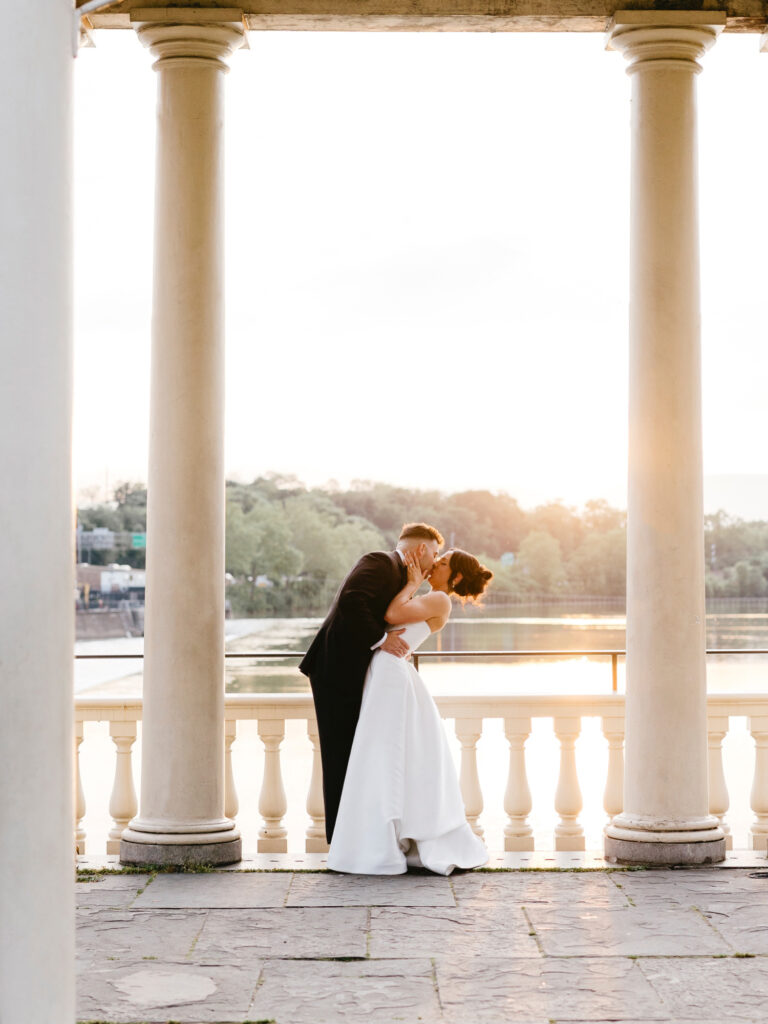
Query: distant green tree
{"points": [[330, 541], [599, 516], [559, 521], [259, 542], [541, 561], [599, 564], [307, 540], [128, 493]]}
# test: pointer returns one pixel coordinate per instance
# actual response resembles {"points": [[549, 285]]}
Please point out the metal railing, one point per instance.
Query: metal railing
{"points": [[418, 656]]}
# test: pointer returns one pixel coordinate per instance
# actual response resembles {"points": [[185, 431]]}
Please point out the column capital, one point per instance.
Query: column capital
{"points": [[190, 34], [673, 40]]}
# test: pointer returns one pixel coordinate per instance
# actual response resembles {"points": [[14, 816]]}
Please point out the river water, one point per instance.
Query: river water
{"points": [[568, 629], [563, 628]]}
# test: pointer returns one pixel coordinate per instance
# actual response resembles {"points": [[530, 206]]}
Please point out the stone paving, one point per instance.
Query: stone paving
{"points": [[532, 947]]}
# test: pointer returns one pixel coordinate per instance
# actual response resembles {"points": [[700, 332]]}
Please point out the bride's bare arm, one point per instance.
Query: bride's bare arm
{"points": [[404, 607]]}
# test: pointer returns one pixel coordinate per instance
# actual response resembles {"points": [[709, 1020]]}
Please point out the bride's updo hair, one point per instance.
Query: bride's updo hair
{"points": [[474, 576]]}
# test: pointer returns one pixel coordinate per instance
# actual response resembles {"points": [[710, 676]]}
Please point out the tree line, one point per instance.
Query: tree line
{"points": [[288, 547]]}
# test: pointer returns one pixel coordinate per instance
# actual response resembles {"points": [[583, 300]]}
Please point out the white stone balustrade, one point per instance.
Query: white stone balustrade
{"points": [[123, 804], [613, 795], [468, 731], [569, 834], [717, 730], [518, 834], [271, 712], [79, 793], [273, 837], [231, 803], [315, 841], [758, 838]]}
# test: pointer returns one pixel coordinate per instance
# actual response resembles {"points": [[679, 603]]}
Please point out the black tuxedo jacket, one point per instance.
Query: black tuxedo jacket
{"points": [[338, 659]]}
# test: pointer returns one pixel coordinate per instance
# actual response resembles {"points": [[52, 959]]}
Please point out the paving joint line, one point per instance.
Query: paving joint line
{"points": [[288, 889], [199, 933], [433, 961], [704, 918], [259, 982], [622, 890], [533, 933]]}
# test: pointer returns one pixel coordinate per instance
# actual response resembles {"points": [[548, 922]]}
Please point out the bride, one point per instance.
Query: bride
{"points": [[401, 804]]}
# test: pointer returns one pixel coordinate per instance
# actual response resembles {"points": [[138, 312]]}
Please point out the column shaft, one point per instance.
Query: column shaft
{"points": [[37, 933], [181, 814], [666, 809]]}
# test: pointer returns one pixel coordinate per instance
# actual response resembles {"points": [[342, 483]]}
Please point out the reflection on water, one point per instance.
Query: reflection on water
{"points": [[542, 628]]}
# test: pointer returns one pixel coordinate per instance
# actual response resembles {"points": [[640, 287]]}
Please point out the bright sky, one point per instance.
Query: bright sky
{"points": [[427, 250]]}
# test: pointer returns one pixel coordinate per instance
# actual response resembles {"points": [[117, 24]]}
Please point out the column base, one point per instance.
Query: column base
{"points": [[180, 854], [625, 851]]}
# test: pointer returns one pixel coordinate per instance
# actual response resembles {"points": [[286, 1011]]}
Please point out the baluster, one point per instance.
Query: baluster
{"points": [[469, 731], [272, 801], [613, 796], [79, 793], [122, 804], [518, 834], [569, 835], [717, 729], [231, 802], [758, 834], [315, 841]]}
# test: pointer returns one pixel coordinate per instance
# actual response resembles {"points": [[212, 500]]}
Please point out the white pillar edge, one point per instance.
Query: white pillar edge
{"points": [[37, 857]]}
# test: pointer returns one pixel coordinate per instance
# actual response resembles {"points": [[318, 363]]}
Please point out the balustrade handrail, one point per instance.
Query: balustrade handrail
{"points": [[301, 705], [614, 655], [448, 654]]}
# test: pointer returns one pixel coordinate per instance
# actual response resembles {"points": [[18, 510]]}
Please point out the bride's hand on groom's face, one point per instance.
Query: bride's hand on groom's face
{"points": [[415, 574]]}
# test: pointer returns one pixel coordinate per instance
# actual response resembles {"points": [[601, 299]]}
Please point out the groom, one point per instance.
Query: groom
{"points": [[338, 657]]}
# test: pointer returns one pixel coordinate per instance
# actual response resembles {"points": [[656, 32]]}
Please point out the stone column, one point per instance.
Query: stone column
{"points": [[181, 812], [37, 911], [665, 819]]}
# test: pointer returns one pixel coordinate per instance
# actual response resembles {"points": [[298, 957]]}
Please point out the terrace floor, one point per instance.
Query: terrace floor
{"points": [[280, 939]]}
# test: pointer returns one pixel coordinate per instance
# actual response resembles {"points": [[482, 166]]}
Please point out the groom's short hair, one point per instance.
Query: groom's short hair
{"points": [[421, 531]]}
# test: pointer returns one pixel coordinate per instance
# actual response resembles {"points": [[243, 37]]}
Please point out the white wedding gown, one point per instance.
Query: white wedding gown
{"points": [[401, 804]]}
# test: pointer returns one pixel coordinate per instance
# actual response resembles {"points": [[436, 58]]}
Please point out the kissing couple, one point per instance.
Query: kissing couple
{"points": [[392, 796]]}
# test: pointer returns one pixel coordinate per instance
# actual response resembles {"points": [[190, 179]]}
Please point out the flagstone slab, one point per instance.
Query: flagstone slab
{"points": [[117, 891], [113, 880], [132, 935], [522, 887], [336, 890], [432, 931], [316, 992], [186, 993], [245, 935], [687, 887], [743, 925], [706, 990], [624, 931], [215, 890], [492, 990]]}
